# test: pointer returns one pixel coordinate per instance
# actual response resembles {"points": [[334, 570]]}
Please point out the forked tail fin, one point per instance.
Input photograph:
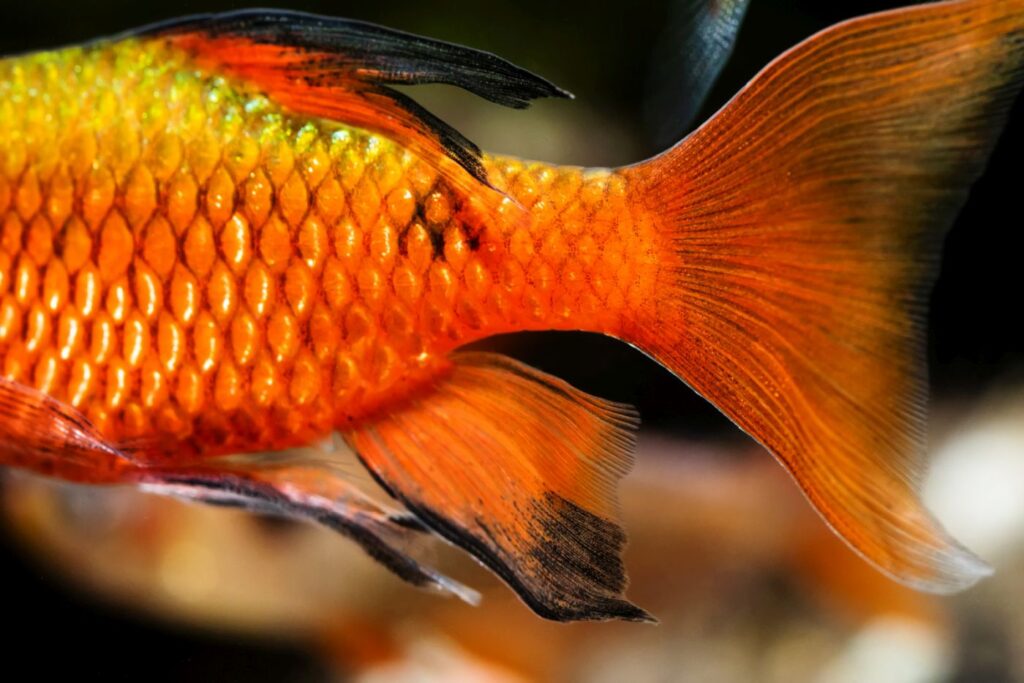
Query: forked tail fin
{"points": [[803, 227]]}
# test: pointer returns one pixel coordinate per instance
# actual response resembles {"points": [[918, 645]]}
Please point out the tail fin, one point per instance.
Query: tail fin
{"points": [[804, 223]]}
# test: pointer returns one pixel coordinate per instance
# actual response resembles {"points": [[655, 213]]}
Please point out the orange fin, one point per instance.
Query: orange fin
{"points": [[45, 435], [803, 228], [311, 492], [519, 469], [340, 69]]}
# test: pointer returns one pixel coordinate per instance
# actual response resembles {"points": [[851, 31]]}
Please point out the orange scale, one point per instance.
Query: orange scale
{"points": [[419, 247], [360, 325], [306, 379], [365, 203], [170, 343], [401, 203], [49, 373], [199, 249], [10, 239], [118, 385], [283, 335], [316, 164], [88, 291], [278, 160], [28, 198], [275, 243], [222, 293], [293, 200], [220, 197], [443, 284], [228, 387], [119, 300], [170, 420], [477, 278], [181, 201], [60, 198], [26, 281], [101, 418], [384, 245], [408, 285], [17, 363], [103, 339], [203, 155], [159, 247], [300, 289], [264, 382], [55, 287], [245, 338], [116, 247], [236, 243], [136, 341], [313, 242], [39, 240], [536, 304], [79, 150], [207, 343], [6, 273], [324, 332], [241, 156], [140, 196], [258, 198], [149, 292], [372, 286], [348, 242], [185, 295], [260, 289], [135, 420], [81, 382], [164, 156], [70, 333], [190, 390], [330, 199]]}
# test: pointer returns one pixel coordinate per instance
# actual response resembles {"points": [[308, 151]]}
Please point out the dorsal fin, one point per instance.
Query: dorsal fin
{"points": [[340, 69]]}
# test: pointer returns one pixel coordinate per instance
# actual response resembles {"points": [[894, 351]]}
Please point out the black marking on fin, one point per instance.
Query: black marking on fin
{"points": [[362, 59], [588, 545], [373, 53]]}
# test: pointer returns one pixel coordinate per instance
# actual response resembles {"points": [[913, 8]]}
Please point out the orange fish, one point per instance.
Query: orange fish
{"points": [[229, 235]]}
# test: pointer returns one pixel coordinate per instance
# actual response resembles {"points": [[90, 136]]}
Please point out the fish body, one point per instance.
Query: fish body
{"points": [[229, 235], [186, 262]]}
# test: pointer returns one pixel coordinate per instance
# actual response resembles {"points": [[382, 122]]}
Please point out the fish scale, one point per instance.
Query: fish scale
{"points": [[205, 267]]}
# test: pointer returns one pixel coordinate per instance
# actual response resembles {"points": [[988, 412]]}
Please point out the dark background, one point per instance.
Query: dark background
{"points": [[600, 51]]}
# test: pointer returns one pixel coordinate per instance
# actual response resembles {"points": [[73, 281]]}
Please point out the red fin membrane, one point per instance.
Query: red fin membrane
{"points": [[519, 469], [340, 69], [805, 222], [314, 493], [43, 434]]}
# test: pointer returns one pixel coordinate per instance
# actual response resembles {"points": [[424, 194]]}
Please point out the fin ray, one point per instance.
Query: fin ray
{"points": [[805, 222], [519, 469]]}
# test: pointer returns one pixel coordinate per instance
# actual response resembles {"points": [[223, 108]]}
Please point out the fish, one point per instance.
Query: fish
{"points": [[229, 235]]}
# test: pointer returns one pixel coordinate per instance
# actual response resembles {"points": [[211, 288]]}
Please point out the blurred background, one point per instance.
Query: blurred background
{"points": [[747, 582]]}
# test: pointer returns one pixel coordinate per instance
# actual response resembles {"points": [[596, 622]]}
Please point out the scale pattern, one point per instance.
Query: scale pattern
{"points": [[186, 263]]}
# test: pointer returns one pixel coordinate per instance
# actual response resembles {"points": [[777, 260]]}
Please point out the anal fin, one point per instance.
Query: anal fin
{"points": [[519, 469]]}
